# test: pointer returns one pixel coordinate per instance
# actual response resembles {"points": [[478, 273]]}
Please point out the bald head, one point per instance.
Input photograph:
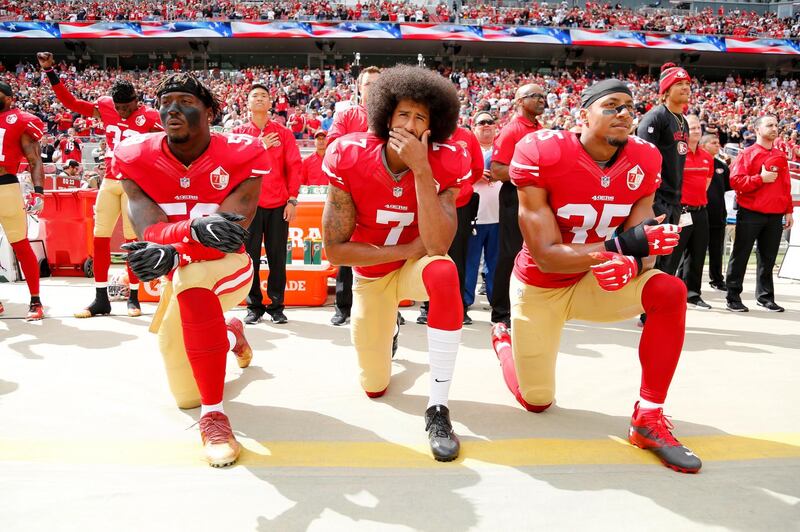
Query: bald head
{"points": [[527, 90]]}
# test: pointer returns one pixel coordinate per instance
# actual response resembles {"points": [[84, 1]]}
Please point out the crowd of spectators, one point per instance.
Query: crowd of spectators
{"points": [[306, 99], [596, 15]]}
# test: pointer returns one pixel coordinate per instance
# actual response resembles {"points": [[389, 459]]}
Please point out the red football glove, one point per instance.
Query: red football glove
{"points": [[195, 252], [662, 238], [615, 272], [34, 203]]}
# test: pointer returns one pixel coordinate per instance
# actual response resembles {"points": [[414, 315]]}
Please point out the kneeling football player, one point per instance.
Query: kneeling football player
{"points": [[391, 215], [575, 191], [176, 182]]}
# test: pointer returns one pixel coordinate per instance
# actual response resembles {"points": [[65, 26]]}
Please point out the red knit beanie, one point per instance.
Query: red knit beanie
{"points": [[670, 75]]}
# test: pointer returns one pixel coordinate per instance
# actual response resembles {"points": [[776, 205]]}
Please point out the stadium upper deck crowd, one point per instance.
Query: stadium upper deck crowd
{"points": [[591, 15], [305, 99]]}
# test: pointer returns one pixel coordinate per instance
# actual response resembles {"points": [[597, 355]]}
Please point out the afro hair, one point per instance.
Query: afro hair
{"points": [[188, 82], [123, 91], [403, 82]]}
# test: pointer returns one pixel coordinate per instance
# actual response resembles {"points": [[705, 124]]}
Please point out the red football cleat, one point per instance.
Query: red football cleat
{"points": [[501, 338], [35, 312], [221, 447], [242, 350], [650, 429]]}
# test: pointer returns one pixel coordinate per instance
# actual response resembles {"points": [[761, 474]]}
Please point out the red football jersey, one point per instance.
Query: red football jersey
{"points": [[13, 124], [351, 120], [143, 120], [184, 193], [386, 210], [589, 202]]}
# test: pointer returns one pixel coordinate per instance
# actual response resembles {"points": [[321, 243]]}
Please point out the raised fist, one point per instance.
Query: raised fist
{"points": [[45, 59], [220, 231]]}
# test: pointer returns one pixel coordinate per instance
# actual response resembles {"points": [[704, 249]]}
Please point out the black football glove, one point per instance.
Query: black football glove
{"points": [[647, 238], [150, 261], [220, 231]]}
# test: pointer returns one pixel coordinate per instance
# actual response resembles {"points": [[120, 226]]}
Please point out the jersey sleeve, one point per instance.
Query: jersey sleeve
{"points": [[336, 163], [155, 118], [34, 127], [652, 167], [450, 164], [340, 125], [526, 169], [504, 144]]}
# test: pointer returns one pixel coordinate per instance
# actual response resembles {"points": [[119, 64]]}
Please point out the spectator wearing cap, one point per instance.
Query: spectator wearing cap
{"points": [[485, 239], [760, 177], [70, 176], [312, 173], [688, 257], [666, 127], [276, 205], [529, 102]]}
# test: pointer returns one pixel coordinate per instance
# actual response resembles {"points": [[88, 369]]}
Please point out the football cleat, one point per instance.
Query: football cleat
{"points": [[500, 336], [35, 312], [2, 309], [220, 445], [242, 350], [134, 308], [444, 442], [99, 307], [650, 429]]}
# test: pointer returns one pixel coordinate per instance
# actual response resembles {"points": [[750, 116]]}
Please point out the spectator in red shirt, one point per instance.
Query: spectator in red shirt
{"points": [[64, 120], [297, 123], [312, 173], [69, 146], [760, 177]]}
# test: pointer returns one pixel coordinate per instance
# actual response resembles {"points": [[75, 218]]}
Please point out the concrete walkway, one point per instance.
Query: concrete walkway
{"points": [[90, 439]]}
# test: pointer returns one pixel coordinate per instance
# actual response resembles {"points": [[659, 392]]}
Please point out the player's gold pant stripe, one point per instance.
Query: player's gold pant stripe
{"points": [[320, 454]]}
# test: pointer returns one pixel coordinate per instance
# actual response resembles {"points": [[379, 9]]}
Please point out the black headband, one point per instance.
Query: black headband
{"points": [[5, 88], [603, 88], [189, 85]]}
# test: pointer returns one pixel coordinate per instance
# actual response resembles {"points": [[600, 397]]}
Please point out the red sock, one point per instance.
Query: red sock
{"points": [[506, 357], [30, 266], [132, 279], [206, 339], [664, 302], [446, 311], [102, 258]]}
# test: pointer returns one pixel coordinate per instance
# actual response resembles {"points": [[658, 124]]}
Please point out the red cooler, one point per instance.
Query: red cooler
{"points": [[66, 226]]}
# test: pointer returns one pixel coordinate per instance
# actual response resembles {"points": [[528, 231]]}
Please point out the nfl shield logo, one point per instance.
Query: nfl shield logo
{"points": [[397, 191], [635, 177], [605, 181], [185, 182], [219, 178]]}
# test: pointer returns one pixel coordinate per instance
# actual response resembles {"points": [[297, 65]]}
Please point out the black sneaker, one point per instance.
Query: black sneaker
{"points": [[736, 306], [396, 335], [698, 304], [770, 306], [422, 319], [339, 318], [253, 316], [444, 442], [718, 286], [278, 317], [467, 320], [400, 319], [482, 289]]}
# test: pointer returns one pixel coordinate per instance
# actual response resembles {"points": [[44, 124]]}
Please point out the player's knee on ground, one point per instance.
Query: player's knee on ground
{"points": [[664, 293], [441, 283], [536, 400]]}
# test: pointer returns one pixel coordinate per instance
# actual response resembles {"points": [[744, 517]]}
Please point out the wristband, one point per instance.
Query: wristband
{"points": [[38, 190], [169, 233], [52, 76]]}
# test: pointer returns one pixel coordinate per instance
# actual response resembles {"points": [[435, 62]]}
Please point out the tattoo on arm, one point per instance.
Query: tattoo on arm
{"points": [[338, 217], [143, 211], [243, 200], [33, 153]]}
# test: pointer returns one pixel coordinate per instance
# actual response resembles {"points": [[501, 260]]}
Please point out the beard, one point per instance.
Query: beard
{"points": [[178, 138], [617, 142]]}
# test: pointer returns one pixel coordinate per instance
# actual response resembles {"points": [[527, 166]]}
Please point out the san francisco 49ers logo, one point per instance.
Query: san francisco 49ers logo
{"points": [[635, 177], [219, 178], [140, 120], [683, 148], [11, 119]]}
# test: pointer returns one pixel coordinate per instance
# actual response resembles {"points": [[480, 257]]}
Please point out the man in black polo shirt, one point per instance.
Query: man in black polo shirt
{"points": [[717, 212]]}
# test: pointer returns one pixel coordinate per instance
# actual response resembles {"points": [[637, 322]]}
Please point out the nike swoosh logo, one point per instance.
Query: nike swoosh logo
{"points": [[437, 380], [160, 257], [208, 227]]}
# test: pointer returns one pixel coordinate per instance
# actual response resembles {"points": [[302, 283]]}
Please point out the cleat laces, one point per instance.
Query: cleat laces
{"points": [[660, 425]]}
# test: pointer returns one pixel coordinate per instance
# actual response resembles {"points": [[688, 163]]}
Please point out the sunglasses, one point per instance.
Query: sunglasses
{"points": [[485, 123], [537, 96]]}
